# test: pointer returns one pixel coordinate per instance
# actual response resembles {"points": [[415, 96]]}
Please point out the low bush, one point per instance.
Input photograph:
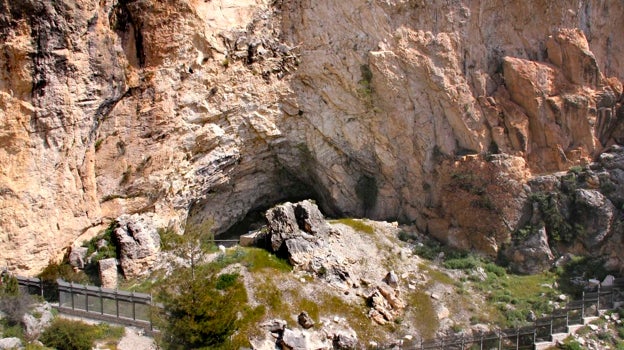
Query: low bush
{"points": [[464, 263], [63, 334]]}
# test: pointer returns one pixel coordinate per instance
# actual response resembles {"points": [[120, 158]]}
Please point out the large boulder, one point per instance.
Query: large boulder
{"points": [[139, 244], [596, 213], [34, 326], [77, 257], [108, 272], [11, 343], [531, 255], [294, 230]]}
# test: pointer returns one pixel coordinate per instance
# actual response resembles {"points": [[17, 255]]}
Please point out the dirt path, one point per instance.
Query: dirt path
{"points": [[135, 340]]}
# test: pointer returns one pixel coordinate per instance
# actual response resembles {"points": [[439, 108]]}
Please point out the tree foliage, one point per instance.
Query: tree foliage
{"points": [[13, 303], [190, 247], [200, 312]]}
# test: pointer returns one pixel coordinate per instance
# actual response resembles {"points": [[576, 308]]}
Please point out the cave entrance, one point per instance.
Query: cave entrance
{"points": [[255, 220]]}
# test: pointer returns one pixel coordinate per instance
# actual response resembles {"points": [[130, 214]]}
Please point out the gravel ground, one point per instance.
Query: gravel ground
{"points": [[135, 340]]}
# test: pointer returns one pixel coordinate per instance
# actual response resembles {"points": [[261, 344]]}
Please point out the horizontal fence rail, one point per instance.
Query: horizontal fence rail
{"points": [[103, 304]]}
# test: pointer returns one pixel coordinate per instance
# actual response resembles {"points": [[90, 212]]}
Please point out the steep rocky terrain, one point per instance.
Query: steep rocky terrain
{"points": [[190, 111]]}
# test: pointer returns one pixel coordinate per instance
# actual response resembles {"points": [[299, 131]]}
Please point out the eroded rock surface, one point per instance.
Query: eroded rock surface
{"points": [[138, 242]]}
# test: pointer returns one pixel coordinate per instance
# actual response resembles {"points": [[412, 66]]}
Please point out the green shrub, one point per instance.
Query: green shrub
{"points": [[226, 280], [9, 286], [571, 345], [196, 313], [495, 269], [465, 263], [428, 250], [63, 334]]}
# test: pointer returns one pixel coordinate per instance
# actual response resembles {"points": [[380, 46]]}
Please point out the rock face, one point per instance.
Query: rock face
{"points": [[295, 230], [138, 242], [108, 273], [106, 110]]}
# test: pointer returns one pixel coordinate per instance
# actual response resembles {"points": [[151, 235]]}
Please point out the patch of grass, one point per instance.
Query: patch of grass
{"points": [[269, 296], [463, 263], [355, 313], [426, 320], [309, 306], [256, 259], [226, 280], [355, 224], [436, 275]]}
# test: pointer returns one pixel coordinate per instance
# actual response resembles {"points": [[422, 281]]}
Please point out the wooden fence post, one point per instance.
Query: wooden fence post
{"points": [[133, 307], [583, 307], [598, 302], [71, 292], [116, 303]]}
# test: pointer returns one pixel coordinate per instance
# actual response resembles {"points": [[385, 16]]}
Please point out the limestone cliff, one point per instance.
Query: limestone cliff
{"points": [[205, 110]]}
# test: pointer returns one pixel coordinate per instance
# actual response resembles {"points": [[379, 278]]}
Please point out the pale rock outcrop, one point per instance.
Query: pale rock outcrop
{"points": [[78, 256], [108, 273], [11, 343], [34, 326], [139, 244], [295, 230]]}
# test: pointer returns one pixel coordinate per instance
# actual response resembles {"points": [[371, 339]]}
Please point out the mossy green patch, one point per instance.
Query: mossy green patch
{"points": [[355, 224]]}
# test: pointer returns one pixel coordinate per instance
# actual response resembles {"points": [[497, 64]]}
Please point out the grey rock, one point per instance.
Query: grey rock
{"points": [[108, 272], [139, 244], [34, 326], [392, 279], [608, 281], [343, 341], [305, 320], [274, 326], [294, 229], [11, 343], [531, 255], [596, 214], [77, 257], [294, 340]]}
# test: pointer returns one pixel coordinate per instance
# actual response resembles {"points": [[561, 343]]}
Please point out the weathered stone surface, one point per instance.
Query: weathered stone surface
{"points": [[305, 320], [344, 341], [295, 229], [597, 214], [108, 273], [139, 244], [77, 257], [392, 279], [275, 325], [302, 340], [11, 343], [34, 326], [531, 255]]}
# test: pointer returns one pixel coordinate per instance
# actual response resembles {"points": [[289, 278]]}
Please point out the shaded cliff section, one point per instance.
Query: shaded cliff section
{"points": [[191, 111]]}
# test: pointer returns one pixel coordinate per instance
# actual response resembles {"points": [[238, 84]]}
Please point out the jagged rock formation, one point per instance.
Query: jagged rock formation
{"points": [[197, 110], [138, 243]]}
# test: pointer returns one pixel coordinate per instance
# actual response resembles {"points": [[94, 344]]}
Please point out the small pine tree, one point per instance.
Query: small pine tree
{"points": [[10, 286]]}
